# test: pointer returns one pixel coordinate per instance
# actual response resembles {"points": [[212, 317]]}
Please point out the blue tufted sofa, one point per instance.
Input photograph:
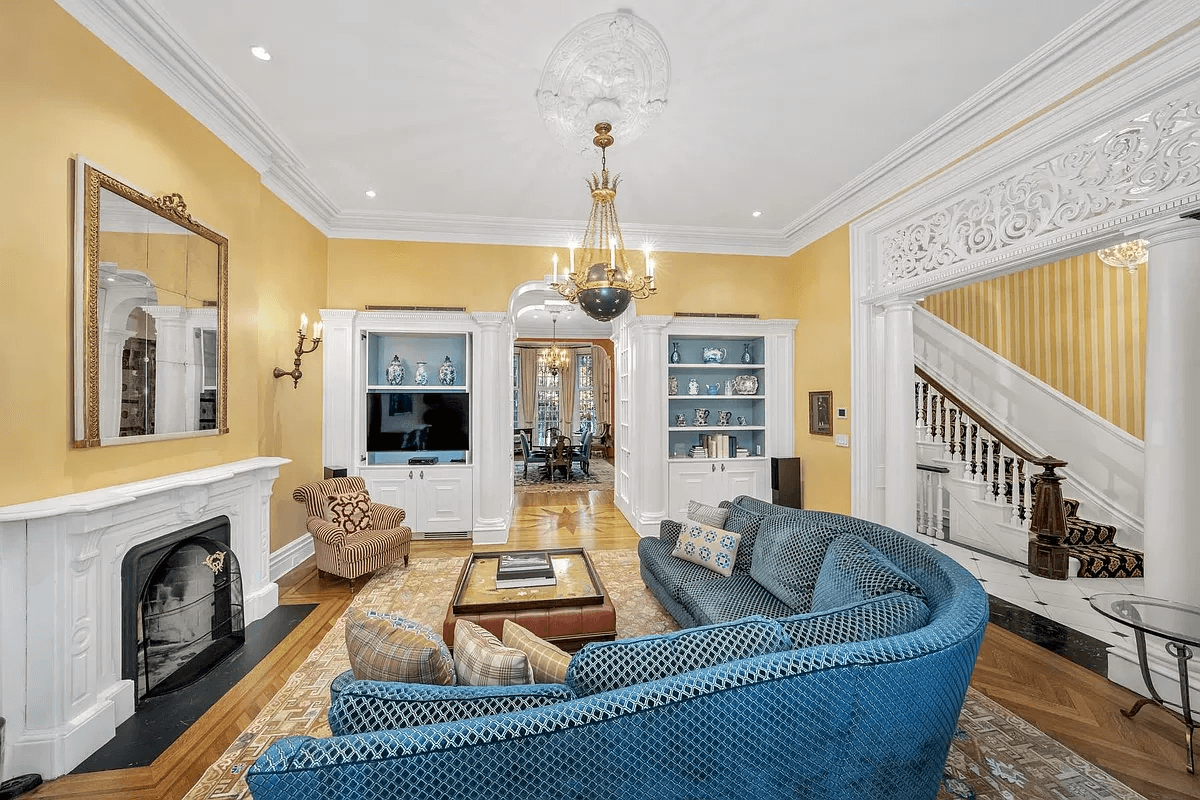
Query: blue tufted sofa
{"points": [[759, 707]]}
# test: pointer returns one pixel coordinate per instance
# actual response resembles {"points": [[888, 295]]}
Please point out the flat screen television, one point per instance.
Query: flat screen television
{"points": [[409, 422]]}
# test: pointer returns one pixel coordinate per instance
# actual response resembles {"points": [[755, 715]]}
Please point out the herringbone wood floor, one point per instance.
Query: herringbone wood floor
{"points": [[1075, 706]]}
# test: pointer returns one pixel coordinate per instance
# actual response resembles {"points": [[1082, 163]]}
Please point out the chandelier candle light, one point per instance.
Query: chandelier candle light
{"points": [[604, 288], [557, 358]]}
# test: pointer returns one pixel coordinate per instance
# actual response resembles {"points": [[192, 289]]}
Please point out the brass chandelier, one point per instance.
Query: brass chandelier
{"points": [[557, 357], [605, 285]]}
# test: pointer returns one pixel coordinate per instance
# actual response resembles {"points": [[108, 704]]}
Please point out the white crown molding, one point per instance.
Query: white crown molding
{"points": [[138, 33], [1105, 38], [548, 233]]}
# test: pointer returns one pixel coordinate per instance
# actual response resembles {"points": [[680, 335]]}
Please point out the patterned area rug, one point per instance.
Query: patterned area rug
{"points": [[995, 755], [600, 475]]}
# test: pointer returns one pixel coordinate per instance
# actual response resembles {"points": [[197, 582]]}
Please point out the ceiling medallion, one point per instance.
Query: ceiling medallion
{"points": [[612, 68]]}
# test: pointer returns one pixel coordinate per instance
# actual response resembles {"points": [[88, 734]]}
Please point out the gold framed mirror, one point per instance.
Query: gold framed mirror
{"points": [[151, 316]]}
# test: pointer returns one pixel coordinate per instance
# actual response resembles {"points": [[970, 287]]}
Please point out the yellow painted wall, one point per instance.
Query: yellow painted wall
{"points": [[821, 277], [1076, 324], [483, 277], [66, 93]]}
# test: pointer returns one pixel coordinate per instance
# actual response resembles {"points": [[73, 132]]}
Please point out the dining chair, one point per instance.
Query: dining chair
{"points": [[560, 457], [530, 456], [584, 454]]}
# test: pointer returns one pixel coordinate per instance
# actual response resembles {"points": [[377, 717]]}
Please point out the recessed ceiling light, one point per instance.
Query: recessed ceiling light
{"points": [[756, 214], [370, 192], [260, 52]]}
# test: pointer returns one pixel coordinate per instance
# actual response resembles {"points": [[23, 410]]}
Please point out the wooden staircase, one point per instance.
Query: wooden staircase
{"points": [[997, 481]]}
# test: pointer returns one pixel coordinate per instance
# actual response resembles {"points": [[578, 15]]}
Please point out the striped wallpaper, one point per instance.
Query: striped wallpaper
{"points": [[1076, 324]]}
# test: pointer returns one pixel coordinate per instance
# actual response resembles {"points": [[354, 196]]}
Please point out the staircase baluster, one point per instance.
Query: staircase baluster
{"points": [[917, 400], [962, 437], [1018, 492], [942, 422], [925, 409], [953, 441], [974, 450], [983, 460], [1007, 497], [933, 411], [1033, 478]]}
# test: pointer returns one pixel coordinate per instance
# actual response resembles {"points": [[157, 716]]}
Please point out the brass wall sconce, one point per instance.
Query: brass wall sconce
{"points": [[295, 374]]}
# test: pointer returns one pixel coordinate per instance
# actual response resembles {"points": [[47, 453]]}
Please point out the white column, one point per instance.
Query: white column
{"points": [[1172, 438], [900, 446], [492, 395], [171, 357], [648, 426], [341, 402]]}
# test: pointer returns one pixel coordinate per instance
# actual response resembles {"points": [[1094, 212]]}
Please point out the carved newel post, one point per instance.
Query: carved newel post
{"points": [[1048, 525]]}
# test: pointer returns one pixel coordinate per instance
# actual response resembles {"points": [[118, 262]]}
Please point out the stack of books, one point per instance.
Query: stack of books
{"points": [[742, 452], [520, 570], [716, 445]]}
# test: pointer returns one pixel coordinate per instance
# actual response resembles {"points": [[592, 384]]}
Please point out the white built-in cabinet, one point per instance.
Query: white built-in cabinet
{"points": [[664, 473], [388, 430]]}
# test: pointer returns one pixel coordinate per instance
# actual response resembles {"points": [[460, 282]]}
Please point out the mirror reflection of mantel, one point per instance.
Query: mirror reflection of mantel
{"points": [[151, 316]]}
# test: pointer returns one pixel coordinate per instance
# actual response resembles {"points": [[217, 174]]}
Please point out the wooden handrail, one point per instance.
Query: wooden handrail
{"points": [[988, 425]]}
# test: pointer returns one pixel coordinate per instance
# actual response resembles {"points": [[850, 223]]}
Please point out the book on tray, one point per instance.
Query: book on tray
{"points": [[519, 570]]}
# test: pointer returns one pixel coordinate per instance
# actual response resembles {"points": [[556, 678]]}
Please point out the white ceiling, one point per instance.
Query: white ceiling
{"points": [[773, 105]]}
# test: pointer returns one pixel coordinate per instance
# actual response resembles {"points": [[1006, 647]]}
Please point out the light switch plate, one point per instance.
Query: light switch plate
{"points": [[842, 440], [841, 413]]}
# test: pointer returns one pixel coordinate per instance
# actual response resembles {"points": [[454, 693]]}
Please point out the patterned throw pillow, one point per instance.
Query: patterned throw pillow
{"points": [[709, 515], [707, 546], [853, 571], [384, 647], [350, 511], [548, 662], [480, 659]]}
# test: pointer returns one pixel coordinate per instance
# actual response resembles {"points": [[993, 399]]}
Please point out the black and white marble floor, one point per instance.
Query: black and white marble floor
{"points": [[1081, 633]]}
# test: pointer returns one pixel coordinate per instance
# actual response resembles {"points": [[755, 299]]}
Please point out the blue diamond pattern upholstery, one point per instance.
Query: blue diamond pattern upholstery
{"points": [[604, 666], [876, 618], [727, 599], [854, 570], [747, 524], [364, 706], [848, 721], [788, 556]]}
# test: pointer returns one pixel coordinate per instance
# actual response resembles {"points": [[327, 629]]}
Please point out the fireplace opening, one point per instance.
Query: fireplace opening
{"points": [[182, 608]]}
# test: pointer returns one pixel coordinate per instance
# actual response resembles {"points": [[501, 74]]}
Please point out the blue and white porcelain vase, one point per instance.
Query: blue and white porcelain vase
{"points": [[447, 374], [422, 377], [395, 372], [747, 356], [675, 353]]}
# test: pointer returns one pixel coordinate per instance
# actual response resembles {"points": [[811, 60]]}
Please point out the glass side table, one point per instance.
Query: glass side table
{"points": [[1179, 625]]}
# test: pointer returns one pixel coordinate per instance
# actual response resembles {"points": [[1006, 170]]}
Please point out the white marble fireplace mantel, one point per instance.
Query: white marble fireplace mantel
{"points": [[61, 690]]}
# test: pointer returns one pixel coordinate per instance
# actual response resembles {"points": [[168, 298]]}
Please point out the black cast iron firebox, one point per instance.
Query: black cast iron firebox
{"points": [[181, 608]]}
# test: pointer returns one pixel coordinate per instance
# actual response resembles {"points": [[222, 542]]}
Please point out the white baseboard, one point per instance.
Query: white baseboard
{"points": [[290, 556]]}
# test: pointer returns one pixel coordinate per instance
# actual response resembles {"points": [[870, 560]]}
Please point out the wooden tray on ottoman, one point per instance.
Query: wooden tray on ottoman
{"points": [[571, 613]]}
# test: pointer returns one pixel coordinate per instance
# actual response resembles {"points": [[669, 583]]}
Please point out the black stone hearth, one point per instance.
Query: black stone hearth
{"points": [[181, 608]]}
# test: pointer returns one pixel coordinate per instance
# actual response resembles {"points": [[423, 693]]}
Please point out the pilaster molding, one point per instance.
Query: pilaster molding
{"points": [[1172, 230]]}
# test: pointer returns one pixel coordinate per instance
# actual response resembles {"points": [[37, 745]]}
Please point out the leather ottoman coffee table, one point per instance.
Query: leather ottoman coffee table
{"points": [[571, 613]]}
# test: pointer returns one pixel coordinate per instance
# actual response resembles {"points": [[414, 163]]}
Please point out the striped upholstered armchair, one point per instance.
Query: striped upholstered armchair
{"points": [[349, 555]]}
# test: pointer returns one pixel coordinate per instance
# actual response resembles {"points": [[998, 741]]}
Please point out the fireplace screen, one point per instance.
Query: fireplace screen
{"points": [[189, 614]]}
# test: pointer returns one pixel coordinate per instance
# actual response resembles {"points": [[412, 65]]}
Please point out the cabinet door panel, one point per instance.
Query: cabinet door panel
{"points": [[445, 501], [690, 482], [749, 480], [395, 490]]}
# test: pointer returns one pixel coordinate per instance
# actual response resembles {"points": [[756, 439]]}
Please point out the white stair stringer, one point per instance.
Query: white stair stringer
{"points": [[1106, 465]]}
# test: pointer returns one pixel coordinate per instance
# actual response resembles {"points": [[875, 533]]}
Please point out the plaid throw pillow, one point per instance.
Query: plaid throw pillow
{"points": [[707, 546], [709, 515], [351, 511], [481, 660], [383, 647], [547, 661]]}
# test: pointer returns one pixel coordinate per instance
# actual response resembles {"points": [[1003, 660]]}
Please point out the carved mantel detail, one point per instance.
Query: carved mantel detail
{"points": [[1150, 157]]}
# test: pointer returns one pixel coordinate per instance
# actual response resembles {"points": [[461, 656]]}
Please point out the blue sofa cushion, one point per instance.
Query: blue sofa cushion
{"points": [[604, 666], [854, 570], [673, 573], [747, 524], [787, 557], [727, 599], [876, 618]]}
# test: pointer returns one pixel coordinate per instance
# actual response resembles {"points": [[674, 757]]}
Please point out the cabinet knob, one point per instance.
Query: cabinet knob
{"points": [[714, 467], [722, 468], [422, 474], [410, 472]]}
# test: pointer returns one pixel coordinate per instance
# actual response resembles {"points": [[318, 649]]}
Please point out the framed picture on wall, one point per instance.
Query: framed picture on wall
{"points": [[820, 413]]}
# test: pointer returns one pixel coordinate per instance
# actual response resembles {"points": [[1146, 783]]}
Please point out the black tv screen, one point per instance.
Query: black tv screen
{"points": [[403, 421]]}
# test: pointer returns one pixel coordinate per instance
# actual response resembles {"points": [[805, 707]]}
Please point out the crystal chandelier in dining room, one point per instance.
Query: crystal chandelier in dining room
{"points": [[600, 279], [557, 358]]}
